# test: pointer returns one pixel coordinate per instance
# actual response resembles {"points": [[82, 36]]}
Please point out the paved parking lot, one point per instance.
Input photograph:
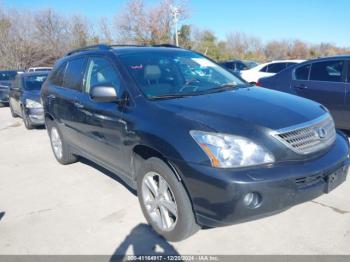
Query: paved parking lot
{"points": [[47, 208]]}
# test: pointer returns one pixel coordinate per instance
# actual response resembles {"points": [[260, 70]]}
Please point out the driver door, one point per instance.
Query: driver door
{"points": [[101, 124]]}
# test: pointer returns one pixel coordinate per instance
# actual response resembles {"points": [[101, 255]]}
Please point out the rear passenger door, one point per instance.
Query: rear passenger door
{"points": [[67, 85], [323, 82], [101, 123]]}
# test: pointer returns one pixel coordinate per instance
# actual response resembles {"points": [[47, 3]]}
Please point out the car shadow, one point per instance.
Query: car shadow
{"points": [[107, 173], [1, 215], [144, 241]]}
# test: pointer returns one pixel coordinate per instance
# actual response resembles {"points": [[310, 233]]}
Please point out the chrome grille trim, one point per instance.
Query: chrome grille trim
{"points": [[306, 138]]}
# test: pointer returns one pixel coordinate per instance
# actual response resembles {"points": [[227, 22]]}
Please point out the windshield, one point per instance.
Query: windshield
{"points": [[177, 73], [34, 82], [7, 76]]}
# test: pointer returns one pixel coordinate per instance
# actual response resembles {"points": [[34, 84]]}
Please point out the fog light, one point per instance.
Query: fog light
{"points": [[252, 200]]}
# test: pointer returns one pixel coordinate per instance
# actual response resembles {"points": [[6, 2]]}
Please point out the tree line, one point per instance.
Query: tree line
{"points": [[39, 38]]}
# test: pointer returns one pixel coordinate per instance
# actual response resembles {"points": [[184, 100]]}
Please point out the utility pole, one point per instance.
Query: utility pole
{"points": [[174, 11]]}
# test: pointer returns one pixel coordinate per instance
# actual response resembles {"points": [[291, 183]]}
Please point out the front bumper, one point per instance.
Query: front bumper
{"points": [[36, 116], [218, 194]]}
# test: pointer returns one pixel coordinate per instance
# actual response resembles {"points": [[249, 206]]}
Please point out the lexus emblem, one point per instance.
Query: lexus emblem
{"points": [[321, 132]]}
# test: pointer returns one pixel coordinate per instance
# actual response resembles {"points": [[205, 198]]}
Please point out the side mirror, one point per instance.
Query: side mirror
{"points": [[104, 93]]}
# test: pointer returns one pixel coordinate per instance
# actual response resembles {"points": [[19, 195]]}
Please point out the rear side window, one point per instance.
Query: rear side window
{"points": [[331, 71], [302, 73], [57, 76], [73, 75], [275, 68]]}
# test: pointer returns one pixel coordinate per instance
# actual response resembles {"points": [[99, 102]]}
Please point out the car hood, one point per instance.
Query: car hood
{"points": [[245, 108]]}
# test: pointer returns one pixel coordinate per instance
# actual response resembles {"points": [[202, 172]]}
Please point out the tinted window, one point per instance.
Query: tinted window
{"points": [[331, 71], [302, 73], [73, 75], [101, 72], [57, 76], [34, 82], [275, 68]]}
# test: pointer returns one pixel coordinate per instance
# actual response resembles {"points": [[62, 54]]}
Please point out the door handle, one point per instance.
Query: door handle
{"points": [[78, 105], [51, 97], [300, 86]]}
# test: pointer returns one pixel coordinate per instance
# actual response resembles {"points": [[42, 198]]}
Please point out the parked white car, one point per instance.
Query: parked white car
{"points": [[268, 69], [36, 69]]}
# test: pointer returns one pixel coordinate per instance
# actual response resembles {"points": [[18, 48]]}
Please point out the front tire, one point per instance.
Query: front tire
{"points": [[59, 146], [164, 201], [26, 120]]}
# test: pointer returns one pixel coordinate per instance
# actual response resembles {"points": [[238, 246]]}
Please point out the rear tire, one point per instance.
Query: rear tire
{"points": [[59, 146], [167, 208]]}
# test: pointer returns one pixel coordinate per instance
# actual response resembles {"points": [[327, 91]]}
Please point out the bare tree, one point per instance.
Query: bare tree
{"points": [[139, 24]]}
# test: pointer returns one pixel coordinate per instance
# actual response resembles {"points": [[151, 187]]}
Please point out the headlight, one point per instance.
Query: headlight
{"points": [[229, 151], [32, 104]]}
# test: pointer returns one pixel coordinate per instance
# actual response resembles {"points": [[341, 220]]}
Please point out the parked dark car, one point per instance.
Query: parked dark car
{"points": [[200, 146], [25, 98], [236, 66], [325, 80], [6, 78]]}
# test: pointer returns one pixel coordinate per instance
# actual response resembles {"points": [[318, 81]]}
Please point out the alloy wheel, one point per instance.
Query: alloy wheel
{"points": [[159, 201], [56, 143]]}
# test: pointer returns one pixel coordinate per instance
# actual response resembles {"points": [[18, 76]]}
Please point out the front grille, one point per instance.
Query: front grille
{"points": [[309, 137]]}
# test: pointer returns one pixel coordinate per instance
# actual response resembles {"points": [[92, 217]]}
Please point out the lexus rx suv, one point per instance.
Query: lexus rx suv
{"points": [[201, 147]]}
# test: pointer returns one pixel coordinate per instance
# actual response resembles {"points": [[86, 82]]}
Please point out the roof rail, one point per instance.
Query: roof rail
{"points": [[109, 47], [88, 48], [166, 45]]}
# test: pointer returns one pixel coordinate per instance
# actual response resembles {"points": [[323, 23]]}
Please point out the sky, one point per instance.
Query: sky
{"points": [[313, 21]]}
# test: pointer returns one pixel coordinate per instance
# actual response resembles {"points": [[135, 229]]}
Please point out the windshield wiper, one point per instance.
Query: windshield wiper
{"points": [[170, 96], [221, 88]]}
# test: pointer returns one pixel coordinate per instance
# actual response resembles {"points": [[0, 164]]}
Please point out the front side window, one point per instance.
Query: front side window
{"points": [[275, 68], [161, 74], [331, 71], [302, 73], [73, 74], [101, 72], [34, 82]]}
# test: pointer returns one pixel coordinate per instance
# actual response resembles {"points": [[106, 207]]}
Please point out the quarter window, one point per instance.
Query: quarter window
{"points": [[331, 71], [101, 72], [73, 75], [302, 73]]}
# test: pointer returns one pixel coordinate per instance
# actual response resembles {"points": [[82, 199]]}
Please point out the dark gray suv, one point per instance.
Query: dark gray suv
{"points": [[200, 146]]}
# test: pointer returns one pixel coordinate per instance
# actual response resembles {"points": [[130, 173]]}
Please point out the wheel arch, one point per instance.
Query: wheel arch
{"points": [[143, 152]]}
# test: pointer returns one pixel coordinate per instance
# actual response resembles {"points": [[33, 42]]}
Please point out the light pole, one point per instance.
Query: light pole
{"points": [[174, 11]]}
